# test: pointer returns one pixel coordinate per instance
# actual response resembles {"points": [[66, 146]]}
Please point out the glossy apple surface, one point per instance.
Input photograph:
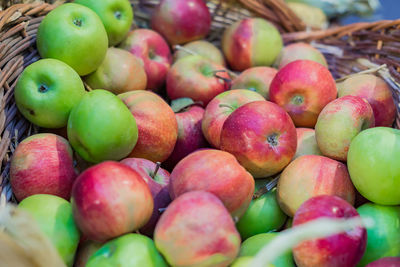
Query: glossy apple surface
{"points": [[202, 48], [386, 262], [296, 51], [306, 143]]}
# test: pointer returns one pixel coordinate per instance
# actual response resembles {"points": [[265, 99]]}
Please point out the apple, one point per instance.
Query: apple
{"points": [[384, 237], [42, 164], [154, 51], [197, 78], [202, 48], [345, 249], [75, 35], [303, 88], [217, 172], [376, 91], [116, 15], [85, 250], [197, 230], [251, 42], [181, 21], [101, 127], [256, 79], [120, 72], [306, 143], [54, 217], [309, 176], [339, 122], [374, 164], [219, 109], [386, 262], [296, 51], [261, 136], [131, 250], [156, 122]]}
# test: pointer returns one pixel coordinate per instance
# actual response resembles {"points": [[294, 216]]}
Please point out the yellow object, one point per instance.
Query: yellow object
{"points": [[313, 17]]}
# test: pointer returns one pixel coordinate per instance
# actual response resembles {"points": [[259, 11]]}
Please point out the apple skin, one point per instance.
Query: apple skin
{"points": [[376, 91], [62, 35], [154, 51], [306, 143], [255, 79], [181, 21], [312, 175], [119, 72], [85, 250], [303, 88], [374, 166], [110, 199], [217, 172], [193, 77], [261, 136], [385, 262], [384, 237], [345, 249], [101, 127], [251, 42], [202, 48], [296, 51], [157, 125], [54, 217], [116, 15], [215, 115], [42, 164], [339, 122], [197, 230]]}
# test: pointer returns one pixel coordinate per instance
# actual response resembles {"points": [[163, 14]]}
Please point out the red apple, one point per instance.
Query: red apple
{"points": [[217, 172], [386, 262], [303, 88], [157, 126], [110, 199], [219, 109], [202, 48], [306, 143], [42, 164], [261, 136], [181, 21], [344, 250], [154, 51], [298, 51]]}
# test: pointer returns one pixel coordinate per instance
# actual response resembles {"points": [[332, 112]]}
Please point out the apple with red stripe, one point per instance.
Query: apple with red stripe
{"points": [[298, 51], [306, 143], [385, 262]]}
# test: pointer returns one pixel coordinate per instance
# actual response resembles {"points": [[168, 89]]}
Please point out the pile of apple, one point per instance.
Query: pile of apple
{"points": [[103, 182]]}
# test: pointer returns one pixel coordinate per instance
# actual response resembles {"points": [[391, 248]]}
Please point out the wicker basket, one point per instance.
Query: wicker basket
{"points": [[370, 47]]}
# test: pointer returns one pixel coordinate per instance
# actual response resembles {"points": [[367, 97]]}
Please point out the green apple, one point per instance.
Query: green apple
{"points": [[130, 250], [75, 35], [101, 127], [374, 165], [46, 92], [54, 217], [383, 239], [116, 15]]}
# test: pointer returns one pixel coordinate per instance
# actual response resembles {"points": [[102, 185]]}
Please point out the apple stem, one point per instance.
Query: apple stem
{"points": [[225, 106], [179, 47], [265, 189], [158, 164]]}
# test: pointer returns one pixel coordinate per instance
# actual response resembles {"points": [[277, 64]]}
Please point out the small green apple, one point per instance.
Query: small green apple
{"points": [[54, 217]]}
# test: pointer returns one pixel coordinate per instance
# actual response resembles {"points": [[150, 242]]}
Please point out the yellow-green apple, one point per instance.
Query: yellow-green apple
{"points": [[345, 249], [296, 51], [374, 164], [339, 122], [116, 15], [217, 172], [202, 48], [42, 164], [54, 217], [197, 78], [197, 230], [376, 91], [85, 250], [130, 250], [303, 88], [46, 92], [385, 262], [306, 143], [119, 72], [75, 35], [261, 136], [158, 129], [251, 42], [256, 79], [157, 180], [383, 238], [154, 51], [110, 199], [181, 21], [101, 127], [312, 175], [219, 109]]}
